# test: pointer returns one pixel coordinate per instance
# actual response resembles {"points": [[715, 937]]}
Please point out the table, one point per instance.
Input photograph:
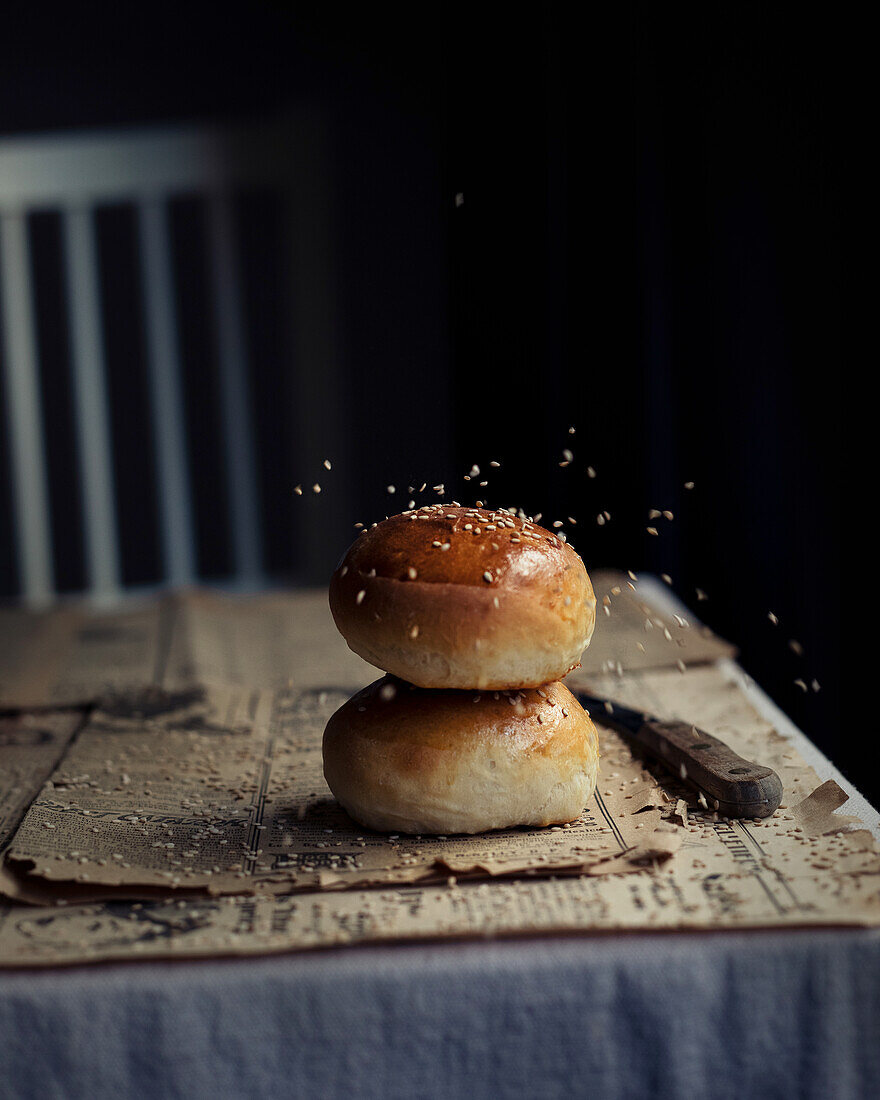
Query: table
{"points": [[781, 1013]]}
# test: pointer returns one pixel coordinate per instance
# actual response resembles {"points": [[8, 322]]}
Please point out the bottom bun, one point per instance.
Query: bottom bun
{"points": [[410, 760]]}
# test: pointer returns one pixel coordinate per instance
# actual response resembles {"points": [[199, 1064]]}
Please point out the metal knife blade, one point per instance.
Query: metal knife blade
{"points": [[731, 785]]}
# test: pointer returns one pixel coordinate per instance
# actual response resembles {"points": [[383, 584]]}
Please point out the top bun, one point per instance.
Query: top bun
{"points": [[452, 597]]}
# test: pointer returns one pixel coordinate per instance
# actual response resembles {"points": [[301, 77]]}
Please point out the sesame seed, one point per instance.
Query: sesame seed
{"points": [[327, 465], [651, 530], [414, 632], [487, 576], [688, 485], [360, 596], [316, 488], [411, 573], [390, 489], [298, 490]]}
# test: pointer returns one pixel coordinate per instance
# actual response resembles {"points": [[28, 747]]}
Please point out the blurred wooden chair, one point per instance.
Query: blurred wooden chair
{"points": [[74, 174]]}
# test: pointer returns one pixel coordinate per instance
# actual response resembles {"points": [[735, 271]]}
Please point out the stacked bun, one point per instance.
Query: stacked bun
{"points": [[476, 615]]}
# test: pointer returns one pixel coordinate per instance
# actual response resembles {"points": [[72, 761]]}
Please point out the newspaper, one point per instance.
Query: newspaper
{"points": [[200, 638], [196, 767], [224, 792]]}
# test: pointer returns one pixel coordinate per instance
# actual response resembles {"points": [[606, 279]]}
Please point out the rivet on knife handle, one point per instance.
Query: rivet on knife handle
{"points": [[731, 785]]}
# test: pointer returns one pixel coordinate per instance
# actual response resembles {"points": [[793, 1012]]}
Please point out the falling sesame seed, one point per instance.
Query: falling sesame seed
{"points": [[495, 465], [666, 578], [591, 471], [801, 685], [414, 632], [688, 485], [298, 490], [571, 431], [316, 488], [387, 692], [557, 522], [360, 596], [651, 530], [773, 618], [796, 647], [327, 465], [654, 514], [487, 576], [701, 595], [600, 519], [412, 573], [391, 489], [668, 515]]}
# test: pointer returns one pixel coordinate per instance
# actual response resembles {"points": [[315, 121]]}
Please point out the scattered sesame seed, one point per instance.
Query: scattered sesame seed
{"points": [[316, 488], [651, 530], [360, 596], [298, 490], [327, 465], [487, 576]]}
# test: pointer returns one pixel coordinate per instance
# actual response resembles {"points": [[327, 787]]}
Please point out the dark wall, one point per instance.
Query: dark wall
{"points": [[645, 249]]}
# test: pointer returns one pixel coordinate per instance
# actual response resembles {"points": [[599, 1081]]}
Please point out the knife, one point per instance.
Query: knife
{"points": [[732, 786]]}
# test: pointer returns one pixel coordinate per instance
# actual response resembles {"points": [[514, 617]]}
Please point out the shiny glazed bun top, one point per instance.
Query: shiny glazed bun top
{"points": [[454, 597]]}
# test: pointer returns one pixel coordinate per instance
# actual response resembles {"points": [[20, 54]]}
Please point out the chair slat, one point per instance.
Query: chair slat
{"points": [[90, 398], [24, 407], [175, 502]]}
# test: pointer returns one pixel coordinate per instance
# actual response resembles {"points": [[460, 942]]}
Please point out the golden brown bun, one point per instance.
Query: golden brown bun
{"points": [[404, 760], [464, 598]]}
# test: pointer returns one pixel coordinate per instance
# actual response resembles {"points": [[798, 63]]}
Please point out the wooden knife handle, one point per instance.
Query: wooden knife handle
{"points": [[732, 786]]}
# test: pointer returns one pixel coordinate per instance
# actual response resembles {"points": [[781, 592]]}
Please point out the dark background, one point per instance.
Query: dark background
{"points": [[647, 250]]}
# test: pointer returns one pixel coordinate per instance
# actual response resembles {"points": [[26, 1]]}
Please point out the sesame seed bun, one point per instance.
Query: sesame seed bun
{"points": [[404, 760], [452, 597]]}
